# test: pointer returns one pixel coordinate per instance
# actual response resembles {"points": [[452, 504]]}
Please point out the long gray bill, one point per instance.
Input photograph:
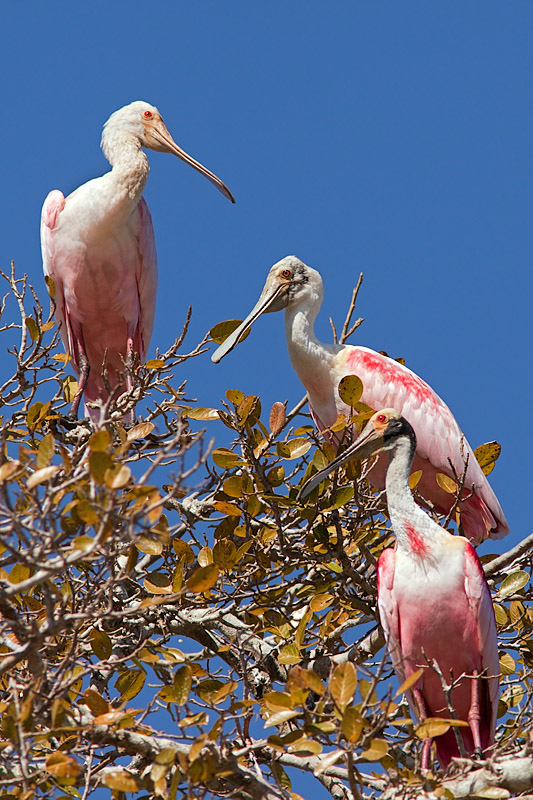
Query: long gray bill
{"points": [[366, 444], [260, 307]]}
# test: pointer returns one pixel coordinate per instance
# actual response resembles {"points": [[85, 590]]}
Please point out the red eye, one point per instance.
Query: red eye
{"points": [[147, 114], [382, 418], [285, 273]]}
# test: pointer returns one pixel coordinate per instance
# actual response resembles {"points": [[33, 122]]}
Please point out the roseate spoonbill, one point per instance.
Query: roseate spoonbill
{"points": [[98, 247], [433, 599], [297, 288]]}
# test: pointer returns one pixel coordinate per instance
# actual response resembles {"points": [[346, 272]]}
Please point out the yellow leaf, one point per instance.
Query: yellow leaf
{"points": [[507, 664], [224, 554], [157, 583], [320, 601], [69, 387], [235, 396], [446, 483], [206, 414], [139, 431], [350, 390], [41, 476], [436, 726], [99, 440], [62, 766], [487, 455], [205, 556], [182, 684], [225, 458], [149, 545], [414, 478], [352, 724], [117, 476], [203, 579], [121, 780], [101, 644], [410, 681], [378, 749], [220, 332], [19, 573], [155, 363], [311, 681], [343, 683], [513, 583], [290, 654], [227, 508], [50, 285], [183, 550], [32, 327], [95, 701], [130, 683], [8, 469], [99, 463], [279, 717], [45, 451]]}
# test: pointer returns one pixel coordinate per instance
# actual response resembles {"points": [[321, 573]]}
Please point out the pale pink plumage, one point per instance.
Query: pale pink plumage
{"points": [[98, 248], [433, 599], [298, 288]]}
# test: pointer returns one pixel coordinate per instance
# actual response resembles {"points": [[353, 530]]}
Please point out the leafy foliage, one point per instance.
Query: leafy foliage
{"points": [[174, 624]]}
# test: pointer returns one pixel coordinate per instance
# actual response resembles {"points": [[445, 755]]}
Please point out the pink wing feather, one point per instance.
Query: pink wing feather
{"points": [[387, 383]]}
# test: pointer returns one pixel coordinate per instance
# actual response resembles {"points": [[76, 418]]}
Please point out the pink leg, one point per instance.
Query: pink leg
{"points": [[422, 714], [474, 715]]}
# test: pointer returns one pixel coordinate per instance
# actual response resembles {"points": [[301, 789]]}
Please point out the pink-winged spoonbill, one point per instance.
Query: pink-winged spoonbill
{"points": [[434, 602], [297, 288], [98, 248]]}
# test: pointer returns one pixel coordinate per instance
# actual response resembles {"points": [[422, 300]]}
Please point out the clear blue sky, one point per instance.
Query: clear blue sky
{"points": [[393, 137]]}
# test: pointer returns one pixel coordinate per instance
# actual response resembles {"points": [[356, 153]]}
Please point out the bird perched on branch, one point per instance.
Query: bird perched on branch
{"points": [[434, 604], [297, 288], [98, 248]]}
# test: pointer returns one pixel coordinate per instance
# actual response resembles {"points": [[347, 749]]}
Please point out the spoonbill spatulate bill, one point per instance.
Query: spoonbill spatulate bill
{"points": [[98, 248], [434, 602], [297, 288]]}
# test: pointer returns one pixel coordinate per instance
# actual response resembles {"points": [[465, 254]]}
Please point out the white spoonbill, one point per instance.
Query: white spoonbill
{"points": [[98, 247], [297, 288], [434, 602]]}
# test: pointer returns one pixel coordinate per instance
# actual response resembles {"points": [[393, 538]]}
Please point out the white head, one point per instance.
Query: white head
{"points": [[289, 283], [142, 123]]}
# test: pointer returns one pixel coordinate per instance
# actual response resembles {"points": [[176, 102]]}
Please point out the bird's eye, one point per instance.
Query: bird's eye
{"points": [[382, 418], [285, 273], [147, 114]]}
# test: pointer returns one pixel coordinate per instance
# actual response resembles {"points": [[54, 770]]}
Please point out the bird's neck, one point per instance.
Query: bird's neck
{"points": [[309, 356], [415, 531], [129, 163]]}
